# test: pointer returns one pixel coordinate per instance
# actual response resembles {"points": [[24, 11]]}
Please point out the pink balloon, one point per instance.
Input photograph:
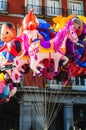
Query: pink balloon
{"points": [[1, 87]]}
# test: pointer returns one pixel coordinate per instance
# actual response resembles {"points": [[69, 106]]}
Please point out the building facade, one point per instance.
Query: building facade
{"points": [[41, 104]]}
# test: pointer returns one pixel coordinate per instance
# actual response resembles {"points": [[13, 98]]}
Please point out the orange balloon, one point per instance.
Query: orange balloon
{"points": [[30, 21]]}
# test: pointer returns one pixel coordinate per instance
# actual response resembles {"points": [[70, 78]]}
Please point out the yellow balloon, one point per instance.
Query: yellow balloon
{"points": [[83, 18], [1, 77], [60, 21]]}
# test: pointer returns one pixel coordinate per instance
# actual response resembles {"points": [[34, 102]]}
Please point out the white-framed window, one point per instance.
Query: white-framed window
{"points": [[75, 7], [3, 5], [53, 7], [36, 4]]}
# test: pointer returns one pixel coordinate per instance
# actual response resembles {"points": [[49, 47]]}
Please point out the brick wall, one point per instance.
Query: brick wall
{"points": [[16, 6]]}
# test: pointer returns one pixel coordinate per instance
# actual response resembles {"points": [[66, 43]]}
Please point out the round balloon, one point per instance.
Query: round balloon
{"points": [[5, 92], [1, 87], [82, 51], [1, 76], [43, 24]]}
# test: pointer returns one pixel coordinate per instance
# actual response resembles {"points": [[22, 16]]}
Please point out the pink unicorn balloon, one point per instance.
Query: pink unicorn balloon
{"points": [[54, 49]]}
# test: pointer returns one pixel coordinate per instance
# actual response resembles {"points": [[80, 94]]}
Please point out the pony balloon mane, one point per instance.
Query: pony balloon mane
{"points": [[61, 35]]}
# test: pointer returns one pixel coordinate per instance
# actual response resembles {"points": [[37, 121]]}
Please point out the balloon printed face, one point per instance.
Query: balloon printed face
{"points": [[78, 29], [12, 44], [78, 25], [72, 34], [7, 33]]}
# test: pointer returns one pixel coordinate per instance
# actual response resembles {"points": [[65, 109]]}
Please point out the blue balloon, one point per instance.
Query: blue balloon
{"points": [[5, 92], [1, 43], [46, 34], [81, 52], [43, 24], [44, 30]]}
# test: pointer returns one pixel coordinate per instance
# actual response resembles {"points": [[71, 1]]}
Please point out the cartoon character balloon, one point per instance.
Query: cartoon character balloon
{"points": [[7, 90], [30, 24], [12, 44], [9, 51], [12, 51]]}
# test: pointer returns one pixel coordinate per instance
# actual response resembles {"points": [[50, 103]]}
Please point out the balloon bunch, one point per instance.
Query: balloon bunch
{"points": [[7, 90], [38, 48], [14, 56], [44, 52], [76, 66], [13, 61], [47, 51]]}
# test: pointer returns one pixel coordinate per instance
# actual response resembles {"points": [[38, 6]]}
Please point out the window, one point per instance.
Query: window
{"points": [[3, 5], [75, 7], [78, 81], [53, 7], [36, 4]]}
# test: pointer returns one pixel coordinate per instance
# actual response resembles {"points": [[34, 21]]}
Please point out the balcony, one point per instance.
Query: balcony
{"points": [[44, 11], [78, 84], [50, 11], [3, 6], [76, 12], [37, 9]]}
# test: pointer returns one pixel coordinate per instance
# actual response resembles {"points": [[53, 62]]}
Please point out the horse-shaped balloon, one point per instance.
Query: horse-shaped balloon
{"points": [[53, 49]]}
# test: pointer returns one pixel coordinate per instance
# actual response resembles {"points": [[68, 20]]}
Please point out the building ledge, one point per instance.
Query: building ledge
{"points": [[79, 88], [61, 90], [3, 12]]}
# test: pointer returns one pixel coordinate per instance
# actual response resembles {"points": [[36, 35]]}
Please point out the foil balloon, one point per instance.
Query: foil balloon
{"points": [[12, 44], [1, 76], [30, 21], [52, 49], [60, 21], [44, 30], [1, 87], [82, 51], [5, 92], [43, 24], [29, 26]]}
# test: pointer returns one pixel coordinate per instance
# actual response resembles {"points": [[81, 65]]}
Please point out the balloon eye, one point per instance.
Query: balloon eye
{"points": [[6, 32], [78, 27]]}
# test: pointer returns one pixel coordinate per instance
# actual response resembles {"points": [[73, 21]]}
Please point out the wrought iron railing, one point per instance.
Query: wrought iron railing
{"points": [[75, 83], [3, 6], [76, 12], [78, 81], [44, 10], [37, 9], [52, 11]]}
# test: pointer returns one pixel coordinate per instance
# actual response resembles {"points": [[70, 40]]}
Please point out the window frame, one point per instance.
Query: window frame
{"points": [[37, 5], [75, 11], [3, 5], [52, 10]]}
